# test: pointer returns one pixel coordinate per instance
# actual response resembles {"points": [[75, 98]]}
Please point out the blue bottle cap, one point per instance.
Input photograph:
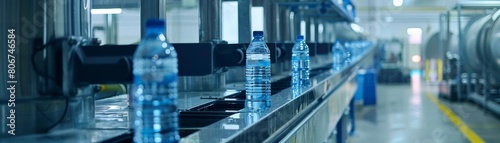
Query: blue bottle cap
{"points": [[155, 23], [258, 33], [300, 37]]}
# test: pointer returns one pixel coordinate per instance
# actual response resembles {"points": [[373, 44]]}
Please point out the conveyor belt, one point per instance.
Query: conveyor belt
{"points": [[202, 120]]}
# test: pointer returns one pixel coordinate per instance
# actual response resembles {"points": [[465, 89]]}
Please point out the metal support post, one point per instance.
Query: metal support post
{"points": [[461, 53], [463, 57], [244, 20], [316, 30], [340, 130], [151, 9], [308, 29], [352, 117], [293, 24], [111, 29], [297, 19], [210, 20], [270, 24], [284, 21]]}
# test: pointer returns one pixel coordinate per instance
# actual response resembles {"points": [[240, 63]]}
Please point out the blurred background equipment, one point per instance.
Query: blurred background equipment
{"points": [[393, 69]]}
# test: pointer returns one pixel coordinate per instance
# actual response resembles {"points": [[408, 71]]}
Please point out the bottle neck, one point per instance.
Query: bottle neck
{"points": [[258, 38], [155, 30]]}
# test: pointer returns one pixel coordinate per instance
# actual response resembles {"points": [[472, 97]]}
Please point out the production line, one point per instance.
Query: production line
{"points": [[308, 71], [61, 94]]}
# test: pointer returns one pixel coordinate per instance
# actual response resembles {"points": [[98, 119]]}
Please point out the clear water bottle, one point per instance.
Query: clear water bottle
{"points": [[338, 56], [362, 46], [154, 99], [258, 74], [348, 53], [354, 50], [300, 66]]}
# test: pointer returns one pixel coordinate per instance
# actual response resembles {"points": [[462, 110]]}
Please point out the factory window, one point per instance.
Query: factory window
{"points": [[414, 35], [311, 33], [320, 33], [230, 21], [182, 19], [257, 14], [116, 25], [303, 28]]}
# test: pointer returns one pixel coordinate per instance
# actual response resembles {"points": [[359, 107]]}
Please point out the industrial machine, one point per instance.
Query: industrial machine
{"points": [[477, 57], [61, 68], [482, 59], [392, 68], [448, 86]]}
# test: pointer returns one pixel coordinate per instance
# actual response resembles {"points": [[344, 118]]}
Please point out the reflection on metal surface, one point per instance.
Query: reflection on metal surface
{"points": [[322, 121], [111, 120], [257, 106], [68, 136], [212, 82], [230, 126], [415, 81], [319, 106], [233, 75], [252, 118], [325, 101], [297, 90]]}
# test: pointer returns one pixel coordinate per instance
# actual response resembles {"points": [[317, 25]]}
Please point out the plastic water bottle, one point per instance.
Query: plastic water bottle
{"points": [[338, 56], [258, 74], [154, 90], [348, 53], [300, 66], [354, 50]]}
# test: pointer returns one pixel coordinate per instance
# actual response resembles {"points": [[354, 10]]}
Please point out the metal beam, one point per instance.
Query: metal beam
{"points": [[477, 5], [284, 22], [111, 21], [270, 22], [330, 6], [210, 20], [151, 9], [244, 21]]}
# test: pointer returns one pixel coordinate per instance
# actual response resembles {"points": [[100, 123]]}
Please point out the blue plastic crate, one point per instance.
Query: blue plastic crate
{"points": [[370, 88]]}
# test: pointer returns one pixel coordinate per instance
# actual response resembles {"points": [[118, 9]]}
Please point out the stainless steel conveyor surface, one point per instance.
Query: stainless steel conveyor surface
{"points": [[327, 92]]}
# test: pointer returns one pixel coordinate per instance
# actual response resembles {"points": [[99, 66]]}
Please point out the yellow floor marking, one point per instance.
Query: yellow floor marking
{"points": [[462, 126]]}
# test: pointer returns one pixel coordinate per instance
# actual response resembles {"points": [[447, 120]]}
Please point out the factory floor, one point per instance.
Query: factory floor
{"points": [[412, 113]]}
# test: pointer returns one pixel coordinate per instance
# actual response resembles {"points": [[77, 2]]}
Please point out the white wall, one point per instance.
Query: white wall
{"points": [[128, 26], [182, 25], [230, 21]]}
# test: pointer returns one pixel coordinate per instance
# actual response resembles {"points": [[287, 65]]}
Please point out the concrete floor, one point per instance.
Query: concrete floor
{"points": [[403, 114], [484, 123]]}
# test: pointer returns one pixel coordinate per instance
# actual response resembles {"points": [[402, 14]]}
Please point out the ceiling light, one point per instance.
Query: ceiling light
{"points": [[397, 2], [414, 31], [415, 58], [106, 11]]}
